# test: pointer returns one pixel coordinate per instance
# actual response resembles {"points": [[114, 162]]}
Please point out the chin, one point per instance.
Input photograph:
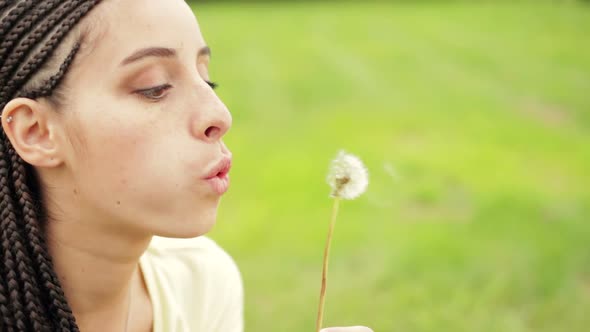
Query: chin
{"points": [[189, 227]]}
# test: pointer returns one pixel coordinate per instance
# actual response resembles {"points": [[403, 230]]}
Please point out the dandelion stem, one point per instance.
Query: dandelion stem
{"points": [[325, 266]]}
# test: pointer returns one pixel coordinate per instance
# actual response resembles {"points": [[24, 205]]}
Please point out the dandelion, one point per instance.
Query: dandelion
{"points": [[349, 179]]}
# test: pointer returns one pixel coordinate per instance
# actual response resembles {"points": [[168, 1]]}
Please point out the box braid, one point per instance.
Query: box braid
{"points": [[31, 297]]}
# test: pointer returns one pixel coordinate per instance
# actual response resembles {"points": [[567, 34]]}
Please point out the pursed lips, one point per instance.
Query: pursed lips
{"points": [[218, 177]]}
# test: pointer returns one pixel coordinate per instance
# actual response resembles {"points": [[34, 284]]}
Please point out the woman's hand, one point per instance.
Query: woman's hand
{"points": [[347, 329]]}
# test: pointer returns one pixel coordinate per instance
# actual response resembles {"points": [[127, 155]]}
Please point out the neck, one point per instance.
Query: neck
{"points": [[98, 270]]}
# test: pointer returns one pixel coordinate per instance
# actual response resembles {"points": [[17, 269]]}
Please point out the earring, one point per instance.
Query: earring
{"points": [[9, 119]]}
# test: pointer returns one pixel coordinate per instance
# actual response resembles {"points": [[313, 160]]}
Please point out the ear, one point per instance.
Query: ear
{"points": [[31, 131]]}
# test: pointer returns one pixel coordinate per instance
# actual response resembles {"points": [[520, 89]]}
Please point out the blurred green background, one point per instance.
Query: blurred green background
{"points": [[474, 121]]}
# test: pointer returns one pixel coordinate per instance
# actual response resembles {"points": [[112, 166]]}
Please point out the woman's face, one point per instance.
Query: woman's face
{"points": [[144, 128]]}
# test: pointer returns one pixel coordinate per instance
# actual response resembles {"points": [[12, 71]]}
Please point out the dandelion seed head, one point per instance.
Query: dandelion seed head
{"points": [[348, 176]]}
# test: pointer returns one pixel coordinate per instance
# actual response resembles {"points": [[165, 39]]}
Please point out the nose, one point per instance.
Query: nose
{"points": [[212, 121]]}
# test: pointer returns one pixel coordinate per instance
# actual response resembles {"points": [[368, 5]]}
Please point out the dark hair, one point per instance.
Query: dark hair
{"points": [[31, 297]]}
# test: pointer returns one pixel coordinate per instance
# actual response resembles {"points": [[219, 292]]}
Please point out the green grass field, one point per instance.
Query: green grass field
{"points": [[474, 121]]}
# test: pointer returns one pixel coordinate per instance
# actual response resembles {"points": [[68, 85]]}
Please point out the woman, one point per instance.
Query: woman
{"points": [[111, 135]]}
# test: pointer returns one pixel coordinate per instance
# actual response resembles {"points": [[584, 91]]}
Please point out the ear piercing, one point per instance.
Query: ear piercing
{"points": [[8, 119]]}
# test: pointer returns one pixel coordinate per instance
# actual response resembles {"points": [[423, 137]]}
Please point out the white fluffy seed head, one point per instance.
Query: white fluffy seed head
{"points": [[348, 177]]}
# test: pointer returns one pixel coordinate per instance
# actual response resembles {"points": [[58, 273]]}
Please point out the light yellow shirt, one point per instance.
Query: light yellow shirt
{"points": [[194, 285]]}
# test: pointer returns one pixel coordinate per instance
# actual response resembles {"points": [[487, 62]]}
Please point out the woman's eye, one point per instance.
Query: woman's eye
{"points": [[213, 85], [155, 93]]}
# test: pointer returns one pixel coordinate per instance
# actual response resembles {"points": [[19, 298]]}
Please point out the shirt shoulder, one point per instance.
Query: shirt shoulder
{"points": [[198, 280]]}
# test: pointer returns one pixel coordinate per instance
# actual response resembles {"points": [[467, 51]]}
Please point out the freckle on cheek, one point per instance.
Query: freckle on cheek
{"points": [[118, 202]]}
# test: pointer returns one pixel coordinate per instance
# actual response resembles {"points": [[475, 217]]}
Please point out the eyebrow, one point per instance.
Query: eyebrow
{"points": [[161, 52]]}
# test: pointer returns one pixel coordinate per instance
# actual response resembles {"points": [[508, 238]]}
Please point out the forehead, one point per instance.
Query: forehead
{"points": [[129, 25]]}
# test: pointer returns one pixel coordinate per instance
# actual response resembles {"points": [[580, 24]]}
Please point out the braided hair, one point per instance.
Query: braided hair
{"points": [[31, 32]]}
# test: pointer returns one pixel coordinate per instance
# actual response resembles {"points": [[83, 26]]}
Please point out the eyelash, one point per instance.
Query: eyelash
{"points": [[148, 93]]}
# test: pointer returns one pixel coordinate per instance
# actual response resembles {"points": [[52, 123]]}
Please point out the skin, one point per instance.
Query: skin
{"points": [[119, 164]]}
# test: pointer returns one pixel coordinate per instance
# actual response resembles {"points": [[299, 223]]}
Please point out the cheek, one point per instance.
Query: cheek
{"points": [[124, 157], [144, 167], [113, 155], [115, 140]]}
